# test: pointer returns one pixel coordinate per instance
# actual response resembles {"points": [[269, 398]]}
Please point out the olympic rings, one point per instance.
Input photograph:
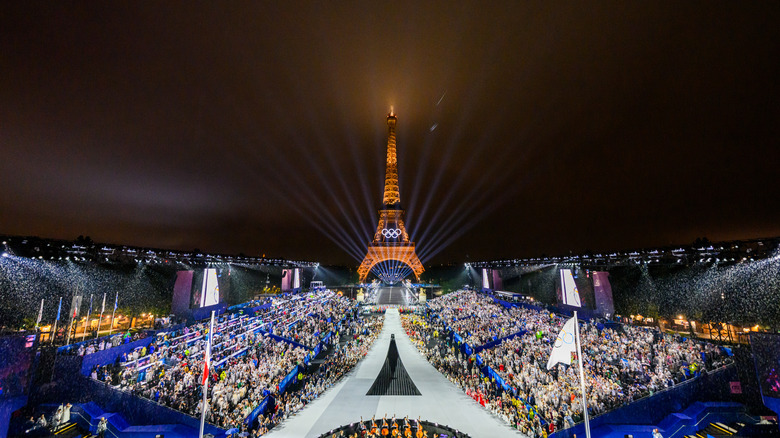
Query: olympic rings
{"points": [[391, 233], [564, 337]]}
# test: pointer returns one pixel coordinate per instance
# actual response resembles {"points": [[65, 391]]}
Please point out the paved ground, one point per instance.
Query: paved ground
{"points": [[440, 402]]}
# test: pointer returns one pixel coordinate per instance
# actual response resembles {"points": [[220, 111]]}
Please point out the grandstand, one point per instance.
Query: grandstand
{"points": [[315, 362]]}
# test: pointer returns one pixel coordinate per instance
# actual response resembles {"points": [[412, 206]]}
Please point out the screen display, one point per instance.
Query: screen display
{"points": [[209, 294], [291, 279], [570, 293]]}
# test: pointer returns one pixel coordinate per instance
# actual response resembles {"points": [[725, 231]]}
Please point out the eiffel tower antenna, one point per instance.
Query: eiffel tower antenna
{"points": [[391, 196], [391, 241]]}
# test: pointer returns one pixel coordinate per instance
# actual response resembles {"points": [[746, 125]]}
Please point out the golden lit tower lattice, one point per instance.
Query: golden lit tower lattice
{"points": [[391, 241]]}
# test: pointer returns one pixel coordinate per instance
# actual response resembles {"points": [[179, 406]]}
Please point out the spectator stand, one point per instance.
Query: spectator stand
{"points": [[232, 326], [107, 356], [689, 373]]}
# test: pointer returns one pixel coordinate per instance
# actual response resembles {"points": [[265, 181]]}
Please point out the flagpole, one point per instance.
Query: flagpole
{"points": [[100, 320], [582, 377], [116, 301], [206, 376]]}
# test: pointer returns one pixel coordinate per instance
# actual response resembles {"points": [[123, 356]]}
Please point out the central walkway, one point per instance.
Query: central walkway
{"points": [[440, 400]]}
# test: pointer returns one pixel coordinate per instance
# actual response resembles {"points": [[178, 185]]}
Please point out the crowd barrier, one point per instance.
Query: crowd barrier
{"points": [[289, 341], [205, 312], [252, 310], [107, 338], [266, 403], [105, 357], [562, 309], [498, 341], [289, 379]]}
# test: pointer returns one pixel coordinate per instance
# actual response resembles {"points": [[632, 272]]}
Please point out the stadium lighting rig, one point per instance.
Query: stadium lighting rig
{"points": [[51, 249], [721, 252]]}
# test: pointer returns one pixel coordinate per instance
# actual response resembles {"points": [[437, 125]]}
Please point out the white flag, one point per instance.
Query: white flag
{"points": [[564, 345]]}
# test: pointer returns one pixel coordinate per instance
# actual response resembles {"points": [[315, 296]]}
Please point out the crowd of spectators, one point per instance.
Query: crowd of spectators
{"points": [[103, 343], [429, 335], [172, 377], [476, 317], [250, 356], [358, 336], [313, 319], [622, 363]]}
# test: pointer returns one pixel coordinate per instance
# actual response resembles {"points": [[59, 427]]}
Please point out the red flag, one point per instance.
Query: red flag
{"points": [[207, 362]]}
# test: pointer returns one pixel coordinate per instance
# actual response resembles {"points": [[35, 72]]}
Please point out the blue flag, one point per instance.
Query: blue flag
{"points": [[116, 301], [58, 309]]}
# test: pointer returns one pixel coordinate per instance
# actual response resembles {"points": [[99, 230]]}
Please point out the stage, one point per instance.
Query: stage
{"points": [[440, 401]]}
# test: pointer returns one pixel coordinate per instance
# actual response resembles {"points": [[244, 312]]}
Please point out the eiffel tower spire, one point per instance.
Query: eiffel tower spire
{"points": [[391, 240], [391, 198]]}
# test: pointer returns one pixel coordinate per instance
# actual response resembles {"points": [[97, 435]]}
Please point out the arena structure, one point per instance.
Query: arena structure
{"points": [[313, 362]]}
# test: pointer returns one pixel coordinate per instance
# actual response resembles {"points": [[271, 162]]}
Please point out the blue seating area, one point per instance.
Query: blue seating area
{"points": [[675, 425], [309, 320], [88, 415]]}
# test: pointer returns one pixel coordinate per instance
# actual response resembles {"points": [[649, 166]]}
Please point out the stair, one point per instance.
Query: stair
{"points": [[68, 430], [716, 430]]}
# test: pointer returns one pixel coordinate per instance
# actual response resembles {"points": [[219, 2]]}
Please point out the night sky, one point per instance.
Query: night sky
{"points": [[259, 128]]}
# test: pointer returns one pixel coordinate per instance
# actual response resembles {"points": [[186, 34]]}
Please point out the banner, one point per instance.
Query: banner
{"points": [[564, 346], [602, 290], [40, 315], [209, 295], [569, 292], [287, 275], [75, 307], [497, 283], [182, 289]]}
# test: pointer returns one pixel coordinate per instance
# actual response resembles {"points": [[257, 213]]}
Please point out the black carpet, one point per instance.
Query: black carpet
{"points": [[393, 378]]}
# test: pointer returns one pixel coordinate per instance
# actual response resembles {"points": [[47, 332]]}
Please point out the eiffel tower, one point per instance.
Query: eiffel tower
{"points": [[391, 241]]}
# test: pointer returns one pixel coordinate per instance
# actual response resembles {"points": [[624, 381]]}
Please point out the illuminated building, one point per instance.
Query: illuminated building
{"points": [[391, 241]]}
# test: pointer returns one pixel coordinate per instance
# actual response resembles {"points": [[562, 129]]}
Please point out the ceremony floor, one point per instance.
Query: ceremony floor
{"points": [[441, 401]]}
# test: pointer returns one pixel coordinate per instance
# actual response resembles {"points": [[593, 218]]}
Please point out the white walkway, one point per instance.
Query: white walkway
{"points": [[440, 402]]}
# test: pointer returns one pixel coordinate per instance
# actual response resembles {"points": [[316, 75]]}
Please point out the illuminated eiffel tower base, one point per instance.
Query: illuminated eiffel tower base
{"points": [[391, 241]]}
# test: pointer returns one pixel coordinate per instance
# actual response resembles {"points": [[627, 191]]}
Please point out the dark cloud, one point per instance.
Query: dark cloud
{"points": [[259, 128]]}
